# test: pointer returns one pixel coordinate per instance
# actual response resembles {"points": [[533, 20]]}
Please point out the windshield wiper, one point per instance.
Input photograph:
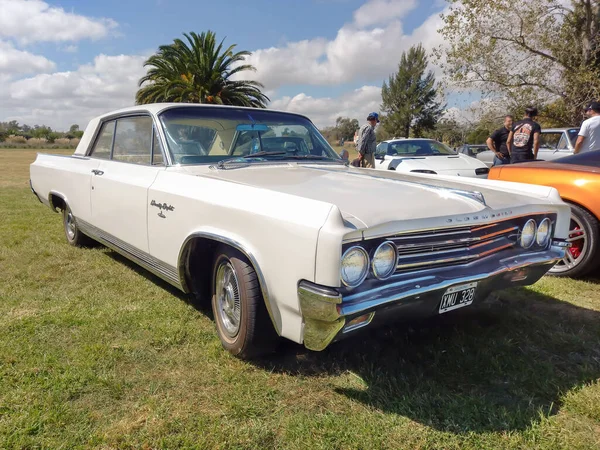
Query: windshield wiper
{"points": [[221, 164], [264, 153], [315, 157]]}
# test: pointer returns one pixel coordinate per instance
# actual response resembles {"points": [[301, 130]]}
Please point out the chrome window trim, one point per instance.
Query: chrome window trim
{"points": [[116, 117], [90, 150]]}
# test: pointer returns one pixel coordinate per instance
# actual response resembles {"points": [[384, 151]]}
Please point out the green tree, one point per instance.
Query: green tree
{"points": [[199, 70], [346, 127], [410, 97], [525, 52]]}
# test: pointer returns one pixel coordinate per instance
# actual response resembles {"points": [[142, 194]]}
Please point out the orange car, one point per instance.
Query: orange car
{"points": [[577, 179]]}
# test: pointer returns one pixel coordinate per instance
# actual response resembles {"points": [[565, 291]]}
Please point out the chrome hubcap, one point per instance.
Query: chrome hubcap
{"points": [[228, 299], [71, 229], [579, 247]]}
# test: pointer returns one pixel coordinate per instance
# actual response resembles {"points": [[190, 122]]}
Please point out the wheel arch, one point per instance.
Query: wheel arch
{"points": [[57, 201], [205, 243], [570, 200]]}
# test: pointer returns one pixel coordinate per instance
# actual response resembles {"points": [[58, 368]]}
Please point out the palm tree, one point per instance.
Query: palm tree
{"points": [[198, 71]]}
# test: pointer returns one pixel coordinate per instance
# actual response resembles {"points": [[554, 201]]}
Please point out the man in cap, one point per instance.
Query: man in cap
{"points": [[523, 141], [367, 142], [589, 134]]}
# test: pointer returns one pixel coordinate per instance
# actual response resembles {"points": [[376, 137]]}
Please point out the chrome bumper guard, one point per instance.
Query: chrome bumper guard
{"points": [[326, 311]]}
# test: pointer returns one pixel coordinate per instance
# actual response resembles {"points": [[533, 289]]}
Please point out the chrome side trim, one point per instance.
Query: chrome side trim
{"points": [[181, 266], [147, 261]]}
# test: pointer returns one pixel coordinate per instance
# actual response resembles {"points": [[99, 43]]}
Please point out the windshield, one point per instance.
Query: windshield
{"points": [[210, 135], [413, 147]]}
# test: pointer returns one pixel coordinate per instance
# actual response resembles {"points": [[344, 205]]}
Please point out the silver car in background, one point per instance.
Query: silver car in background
{"points": [[554, 143]]}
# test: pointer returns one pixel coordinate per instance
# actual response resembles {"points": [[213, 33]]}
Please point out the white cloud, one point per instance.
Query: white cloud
{"points": [[357, 53], [63, 98], [70, 49], [18, 62], [376, 12], [363, 52], [35, 21], [356, 104]]}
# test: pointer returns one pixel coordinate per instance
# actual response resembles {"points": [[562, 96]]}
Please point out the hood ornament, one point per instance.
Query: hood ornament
{"points": [[474, 195]]}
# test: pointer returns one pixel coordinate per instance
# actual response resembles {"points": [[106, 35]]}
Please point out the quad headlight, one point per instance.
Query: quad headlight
{"points": [[543, 233], [384, 260], [528, 234], [355, 266]]}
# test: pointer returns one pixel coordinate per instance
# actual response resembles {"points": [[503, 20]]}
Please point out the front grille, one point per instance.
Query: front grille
{"points": [[453, 246]]}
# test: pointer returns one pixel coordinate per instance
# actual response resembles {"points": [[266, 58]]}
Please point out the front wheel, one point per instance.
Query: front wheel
{"points": [[242, 321], [584, 255]]}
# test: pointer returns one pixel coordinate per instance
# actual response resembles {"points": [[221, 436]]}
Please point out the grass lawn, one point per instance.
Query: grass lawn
{"points": [[97, 353]]}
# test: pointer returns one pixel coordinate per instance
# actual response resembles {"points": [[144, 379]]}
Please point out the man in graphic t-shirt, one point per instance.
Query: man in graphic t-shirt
{"points": [[497, 142], [524, 139]]}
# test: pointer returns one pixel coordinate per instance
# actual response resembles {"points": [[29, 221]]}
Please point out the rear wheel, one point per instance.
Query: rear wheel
{"points": [[584, 255], [72, 232], [242, 321]]}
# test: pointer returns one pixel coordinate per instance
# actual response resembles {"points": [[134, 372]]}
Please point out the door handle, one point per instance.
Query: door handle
{"points": [[97, 172]]}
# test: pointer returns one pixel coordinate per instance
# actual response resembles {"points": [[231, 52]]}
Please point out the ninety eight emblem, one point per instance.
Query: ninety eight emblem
{"points": [[162, 207]]}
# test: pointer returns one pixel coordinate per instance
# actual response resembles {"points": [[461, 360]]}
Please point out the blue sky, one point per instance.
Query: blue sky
{"points": [[64, 61]]}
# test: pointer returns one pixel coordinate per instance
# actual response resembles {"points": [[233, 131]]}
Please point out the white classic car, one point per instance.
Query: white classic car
{"points": [[554, 143], [426, 156], [253, 211]]}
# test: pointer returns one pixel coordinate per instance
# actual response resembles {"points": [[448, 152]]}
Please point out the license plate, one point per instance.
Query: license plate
{"points": [[458, 297]]}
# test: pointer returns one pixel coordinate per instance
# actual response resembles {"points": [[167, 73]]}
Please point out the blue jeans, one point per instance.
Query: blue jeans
{"points": [[501, 161]]}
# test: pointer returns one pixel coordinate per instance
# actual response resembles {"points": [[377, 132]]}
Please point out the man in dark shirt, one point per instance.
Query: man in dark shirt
{"points": [[524, 139], [497, 142]]}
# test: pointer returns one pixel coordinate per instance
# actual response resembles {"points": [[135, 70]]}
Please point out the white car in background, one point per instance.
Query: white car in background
{"points": [[554, 143], [426, 156]]}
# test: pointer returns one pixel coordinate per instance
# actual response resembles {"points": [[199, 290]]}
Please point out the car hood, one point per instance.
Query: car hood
{"points": [[367, 197], [442, 163]]}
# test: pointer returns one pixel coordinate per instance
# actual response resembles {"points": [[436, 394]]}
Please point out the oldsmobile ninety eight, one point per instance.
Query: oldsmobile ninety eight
{"points": [[253, 211]]}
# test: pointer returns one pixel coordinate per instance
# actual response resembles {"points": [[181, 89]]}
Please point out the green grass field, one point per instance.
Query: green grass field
{"points": [[97, 353]]}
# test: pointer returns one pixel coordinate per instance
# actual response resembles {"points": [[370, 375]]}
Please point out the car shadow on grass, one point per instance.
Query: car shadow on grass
{"points": [[500, 366]]}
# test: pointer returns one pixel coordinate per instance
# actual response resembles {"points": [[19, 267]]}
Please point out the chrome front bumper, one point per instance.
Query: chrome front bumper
{"points": [[327, 312]]}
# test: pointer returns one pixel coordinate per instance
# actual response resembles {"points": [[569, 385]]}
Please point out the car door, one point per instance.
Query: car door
{"points": [[119, 195]]}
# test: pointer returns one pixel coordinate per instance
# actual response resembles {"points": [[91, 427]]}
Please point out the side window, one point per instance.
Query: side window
{"points": [[133, 140], [549, 140], [381, 148], [562, 144], [104, 141], [157, 157]]}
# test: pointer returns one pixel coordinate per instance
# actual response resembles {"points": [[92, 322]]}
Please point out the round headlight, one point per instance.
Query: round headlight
{"points": [[528, 234], [355, 266], [543, 233], [384, 260]]}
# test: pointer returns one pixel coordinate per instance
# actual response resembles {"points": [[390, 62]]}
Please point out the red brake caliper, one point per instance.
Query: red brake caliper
{"points": [[577, 245]]}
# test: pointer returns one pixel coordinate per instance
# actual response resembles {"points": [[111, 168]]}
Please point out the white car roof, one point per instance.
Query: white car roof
{"points": [[557, 130], [157, 108], [154, 109]]}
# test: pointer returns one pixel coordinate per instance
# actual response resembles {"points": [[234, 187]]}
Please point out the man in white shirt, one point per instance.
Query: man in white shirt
{"points": [[589, 134]]}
